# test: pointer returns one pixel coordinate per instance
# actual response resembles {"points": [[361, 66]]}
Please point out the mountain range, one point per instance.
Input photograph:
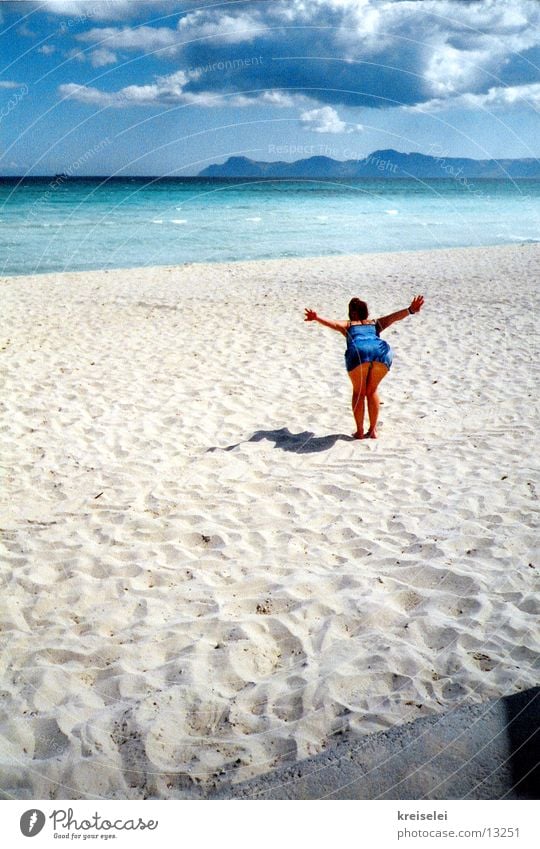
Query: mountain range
{"points": [[381, 163]]}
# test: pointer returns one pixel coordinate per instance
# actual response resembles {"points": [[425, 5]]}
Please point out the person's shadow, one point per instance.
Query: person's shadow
{"points": [[299, 443], [523, 730]]}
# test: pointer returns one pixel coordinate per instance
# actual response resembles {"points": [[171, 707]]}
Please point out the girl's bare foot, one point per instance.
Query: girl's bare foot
{"points": [[359, 434], [371, 434]]}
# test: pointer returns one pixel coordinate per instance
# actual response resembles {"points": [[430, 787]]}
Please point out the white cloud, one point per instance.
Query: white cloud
{"points": [[86, 9], [142, 38], [76, 54], [451, 45], [224, 28], [101, 57], [326, 120], [475, 41], [88, 94], [496, 97], [26, 31], [47, 49], [9, 84], [282, 99], [192, 28], [449, 70], [171, 89]]}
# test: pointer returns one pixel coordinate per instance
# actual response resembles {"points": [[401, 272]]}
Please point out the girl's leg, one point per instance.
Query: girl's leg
{"points": [[358, 379], [376, 374]]}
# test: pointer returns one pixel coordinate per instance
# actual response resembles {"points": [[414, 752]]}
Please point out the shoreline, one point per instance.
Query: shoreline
{"points": [[208, 578], [302, 259]]}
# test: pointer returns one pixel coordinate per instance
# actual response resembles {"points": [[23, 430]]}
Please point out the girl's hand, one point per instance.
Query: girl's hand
{"points": [[417, 303], [311, 315]]}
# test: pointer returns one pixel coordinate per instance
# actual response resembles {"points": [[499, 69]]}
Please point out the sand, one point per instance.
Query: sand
{"points": [[205, 577]]}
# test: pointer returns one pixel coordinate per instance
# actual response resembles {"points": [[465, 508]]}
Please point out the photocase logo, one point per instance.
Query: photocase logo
{"points": [[32, 822]]}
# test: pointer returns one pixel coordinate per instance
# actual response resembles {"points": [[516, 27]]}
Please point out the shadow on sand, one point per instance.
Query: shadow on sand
{"points": [[479, 751], [299, 443], [523, 724]]}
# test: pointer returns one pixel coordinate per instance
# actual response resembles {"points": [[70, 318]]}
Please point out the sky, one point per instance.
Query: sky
{"points": [[133, 87]]}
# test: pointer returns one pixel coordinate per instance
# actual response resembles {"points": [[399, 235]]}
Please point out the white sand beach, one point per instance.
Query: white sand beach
{"points": [[205, 577]]}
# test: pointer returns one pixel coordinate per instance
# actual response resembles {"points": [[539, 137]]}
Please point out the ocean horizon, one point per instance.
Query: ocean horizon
{"points": [[55, 223]]}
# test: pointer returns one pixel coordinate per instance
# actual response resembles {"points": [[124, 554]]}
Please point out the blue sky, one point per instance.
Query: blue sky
{"points": [[162, 87]]}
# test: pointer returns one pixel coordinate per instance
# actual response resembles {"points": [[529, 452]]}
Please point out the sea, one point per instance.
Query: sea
{"points": [[55, 224]]}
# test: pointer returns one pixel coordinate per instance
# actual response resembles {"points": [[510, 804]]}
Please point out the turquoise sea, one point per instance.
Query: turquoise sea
{"points": [[56, 224]]}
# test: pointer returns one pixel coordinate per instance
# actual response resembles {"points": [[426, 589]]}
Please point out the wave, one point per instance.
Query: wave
{"points": [[525, 240]]}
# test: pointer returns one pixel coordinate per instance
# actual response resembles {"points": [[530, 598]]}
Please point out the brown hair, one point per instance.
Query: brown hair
{"points": [[358, 310]]}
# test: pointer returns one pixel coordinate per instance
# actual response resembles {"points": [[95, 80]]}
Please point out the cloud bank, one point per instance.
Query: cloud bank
{"points": [[321, 54]]}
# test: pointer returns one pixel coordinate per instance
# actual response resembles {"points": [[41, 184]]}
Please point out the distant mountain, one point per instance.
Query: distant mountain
{"points": [[381, 163]]}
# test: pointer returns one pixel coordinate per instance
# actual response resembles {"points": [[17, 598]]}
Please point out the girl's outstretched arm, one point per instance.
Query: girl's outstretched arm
{"points": [[340, 326], [416, 305]]}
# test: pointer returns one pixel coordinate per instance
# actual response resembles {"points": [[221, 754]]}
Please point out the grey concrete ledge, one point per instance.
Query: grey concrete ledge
{"points": [[485, 751]]}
